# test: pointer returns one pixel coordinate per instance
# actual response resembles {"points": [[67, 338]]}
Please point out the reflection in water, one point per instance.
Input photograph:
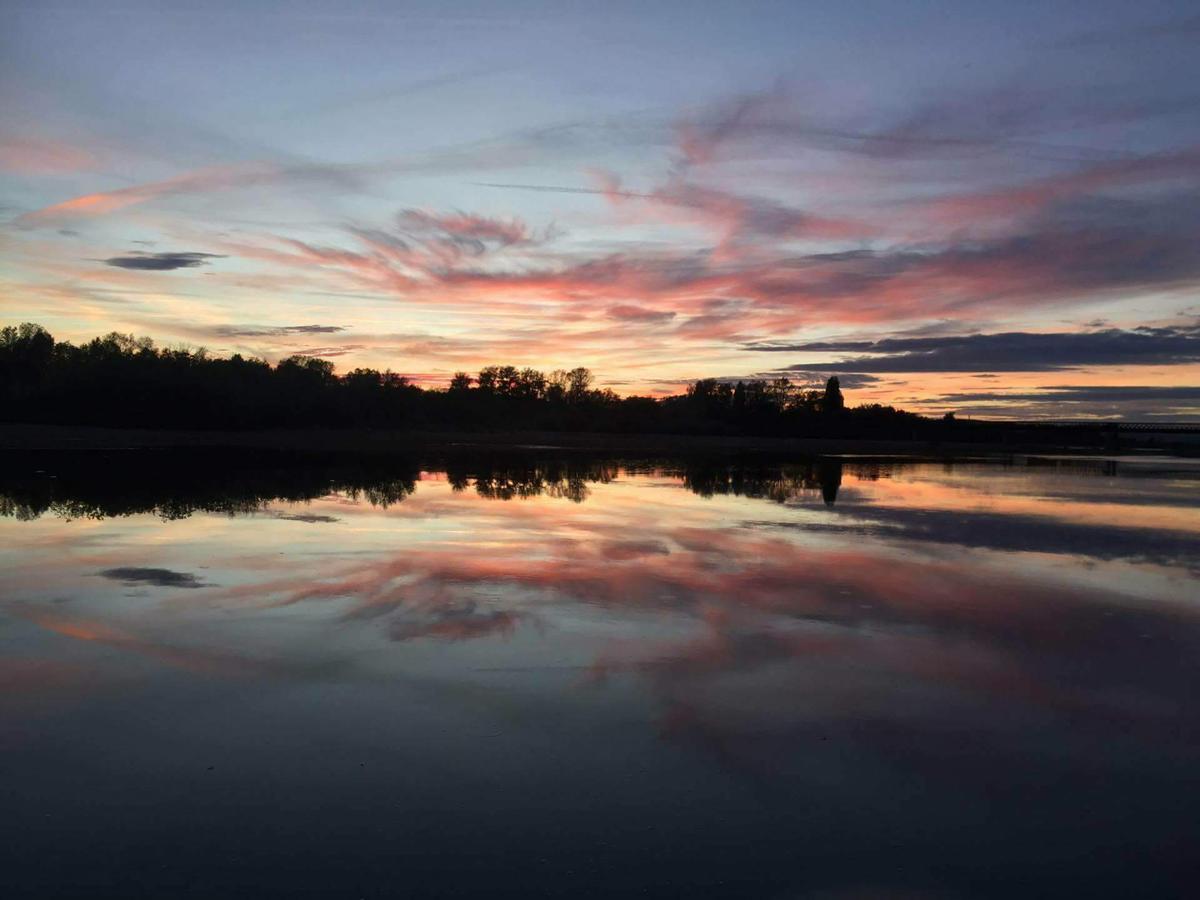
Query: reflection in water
{"points": [[701, 677], [778, 482], [179, 486], [176, 485]]}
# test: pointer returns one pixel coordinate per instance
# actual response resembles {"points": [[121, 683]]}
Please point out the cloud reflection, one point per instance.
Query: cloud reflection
{"points": [[762, 605], [155, 577]]}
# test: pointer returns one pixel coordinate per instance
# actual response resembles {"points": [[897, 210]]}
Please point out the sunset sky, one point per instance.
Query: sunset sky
{"points": [[992, 208]]}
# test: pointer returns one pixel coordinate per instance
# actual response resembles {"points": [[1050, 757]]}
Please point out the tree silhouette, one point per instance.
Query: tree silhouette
{"points": [[832, 402], [123, 380], [579, 381]]}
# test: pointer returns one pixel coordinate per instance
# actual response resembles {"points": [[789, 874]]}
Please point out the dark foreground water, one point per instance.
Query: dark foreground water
{"points": [[828, 679]]}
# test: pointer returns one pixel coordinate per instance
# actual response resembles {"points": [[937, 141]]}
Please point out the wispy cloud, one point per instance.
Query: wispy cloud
{"points": [[216, 178], [964, 208], [952, 125], [627, 312], [39, 156], [275, 330]]}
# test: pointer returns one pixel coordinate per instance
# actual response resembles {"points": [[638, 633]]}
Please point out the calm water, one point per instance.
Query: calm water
{"points": [[829, 679]]}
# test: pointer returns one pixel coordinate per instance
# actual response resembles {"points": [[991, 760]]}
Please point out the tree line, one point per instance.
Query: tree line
{"points": [[126, 381]]}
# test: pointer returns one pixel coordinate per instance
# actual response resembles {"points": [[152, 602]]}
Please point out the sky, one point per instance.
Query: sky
{"points": [[980, 207]]}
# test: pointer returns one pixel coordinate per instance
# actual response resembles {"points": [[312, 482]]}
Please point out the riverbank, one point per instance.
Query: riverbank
{"points": [[32, 438]]}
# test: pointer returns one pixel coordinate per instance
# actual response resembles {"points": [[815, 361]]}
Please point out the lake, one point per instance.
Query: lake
{"points": [[540, 676]]}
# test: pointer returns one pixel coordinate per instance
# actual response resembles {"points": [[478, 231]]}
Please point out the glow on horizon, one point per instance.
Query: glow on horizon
{"points": [[657, 196]]}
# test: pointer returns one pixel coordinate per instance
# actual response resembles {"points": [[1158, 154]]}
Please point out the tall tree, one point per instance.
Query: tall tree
{"points": [[833, 402]]}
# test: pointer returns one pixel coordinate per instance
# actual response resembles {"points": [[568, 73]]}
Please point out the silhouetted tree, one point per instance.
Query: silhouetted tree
{"points": [[781, 393], [26, 352], [579, 381], [123, 380], [487, 379], [832, 402], [556, 386], [531, 384]]}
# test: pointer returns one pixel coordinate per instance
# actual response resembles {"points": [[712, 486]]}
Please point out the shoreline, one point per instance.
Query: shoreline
{"points": [[32, 438]]}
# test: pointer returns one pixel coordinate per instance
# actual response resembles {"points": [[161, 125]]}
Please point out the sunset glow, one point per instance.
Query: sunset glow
{"points": [[995, 213]]}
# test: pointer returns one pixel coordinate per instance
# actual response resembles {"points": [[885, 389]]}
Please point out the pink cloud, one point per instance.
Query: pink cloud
{"points": [[216, 178], [1031, 196]]}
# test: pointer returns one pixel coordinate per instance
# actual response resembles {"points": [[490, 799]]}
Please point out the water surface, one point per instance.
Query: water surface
{"points": [[547, 677]]}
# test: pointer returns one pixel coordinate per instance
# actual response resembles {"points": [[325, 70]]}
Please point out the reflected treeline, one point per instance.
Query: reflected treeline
{"points": [[567, 479], [780, 483], [175, 484]]}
